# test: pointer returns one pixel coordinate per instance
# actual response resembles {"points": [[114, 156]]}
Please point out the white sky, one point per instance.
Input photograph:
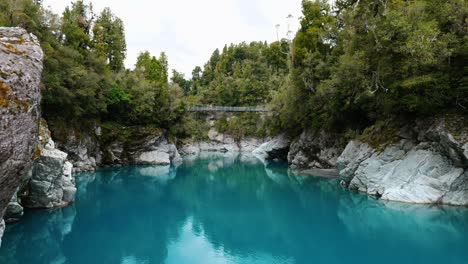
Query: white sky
{"points": [[190, 30]]}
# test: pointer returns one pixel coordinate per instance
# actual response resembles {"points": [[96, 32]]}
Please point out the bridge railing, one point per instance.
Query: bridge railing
{"points": [[228, 109]]}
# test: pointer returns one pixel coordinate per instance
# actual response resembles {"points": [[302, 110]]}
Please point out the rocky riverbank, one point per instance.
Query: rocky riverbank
{"points": [[92, 148], [35, 174], [423, 163], [429, 164]]}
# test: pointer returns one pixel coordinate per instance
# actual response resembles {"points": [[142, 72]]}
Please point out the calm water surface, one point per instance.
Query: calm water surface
{"points": [[231, 209]]}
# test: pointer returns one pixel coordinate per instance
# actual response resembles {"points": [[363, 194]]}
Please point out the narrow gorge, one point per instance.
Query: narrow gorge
{"points": [[346, 140]]}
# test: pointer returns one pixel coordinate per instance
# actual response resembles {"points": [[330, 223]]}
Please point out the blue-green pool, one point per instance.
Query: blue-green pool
{"points": [[231, 209]]}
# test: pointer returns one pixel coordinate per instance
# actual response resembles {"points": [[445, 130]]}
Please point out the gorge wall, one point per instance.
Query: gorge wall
{"points": [[34, 173], [424, 162], [20, 76]]}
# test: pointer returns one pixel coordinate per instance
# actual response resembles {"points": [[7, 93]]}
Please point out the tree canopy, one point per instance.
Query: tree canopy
{"points": [[348, 67]]}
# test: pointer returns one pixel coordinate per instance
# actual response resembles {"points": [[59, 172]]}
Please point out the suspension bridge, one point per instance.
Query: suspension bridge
{"points": [[228, 109]]}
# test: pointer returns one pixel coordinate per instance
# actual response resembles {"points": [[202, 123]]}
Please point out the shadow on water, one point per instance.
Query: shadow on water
{"points": [[225, 208]]}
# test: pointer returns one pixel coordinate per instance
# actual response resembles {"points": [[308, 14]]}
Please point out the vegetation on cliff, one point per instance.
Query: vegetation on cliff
{"points": [[357, 64], [367, 61]]}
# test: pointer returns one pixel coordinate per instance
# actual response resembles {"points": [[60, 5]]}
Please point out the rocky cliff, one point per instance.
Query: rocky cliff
{"points": [[315, 153], [93, 147], [51, 183], [20, 74], [428, 164], [48, 184]]}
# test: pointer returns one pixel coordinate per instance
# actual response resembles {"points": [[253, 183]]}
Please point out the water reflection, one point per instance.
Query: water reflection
{"points": [[231, 208]]}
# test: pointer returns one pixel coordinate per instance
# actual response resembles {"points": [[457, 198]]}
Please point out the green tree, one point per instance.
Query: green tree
{"points": [[179, 79], [109, 39]]}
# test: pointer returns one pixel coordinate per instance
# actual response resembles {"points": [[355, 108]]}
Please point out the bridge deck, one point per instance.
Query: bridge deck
{"points": [[228, 109]]}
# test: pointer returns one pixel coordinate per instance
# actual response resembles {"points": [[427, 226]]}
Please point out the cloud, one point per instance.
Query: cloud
{"points": [[189, 31]]}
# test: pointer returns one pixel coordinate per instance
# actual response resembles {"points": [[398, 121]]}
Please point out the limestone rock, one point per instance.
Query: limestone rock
{"points": [[213, 135], [52, 183], [20, 74], [353, 155], [404, 172], [210, 146], [157, 151], [277, 148], [2, 229], [154, 158], [248, 145], [14, 209], [84, 151], [314, 150]]}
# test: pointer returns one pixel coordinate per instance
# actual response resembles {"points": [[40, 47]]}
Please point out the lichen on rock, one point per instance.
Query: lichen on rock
{"points": [[20, 52]]}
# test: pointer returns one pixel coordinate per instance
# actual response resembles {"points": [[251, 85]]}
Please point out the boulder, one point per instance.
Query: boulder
{"points": [[156, 151], [14, 209], [248, 145], [404, 172], [353, 155], [277, 148], [215, 136], [153, 158], [52, 183]]}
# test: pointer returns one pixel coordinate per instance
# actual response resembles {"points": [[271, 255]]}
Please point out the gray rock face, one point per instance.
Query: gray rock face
{"points": [[14, 209], [155, 151], [431, 171], [210, 146], [221, 143], [51, 183], [20, 75], [83, 151], [319, 150], [353, 155], [277, 148], [2, 229]]}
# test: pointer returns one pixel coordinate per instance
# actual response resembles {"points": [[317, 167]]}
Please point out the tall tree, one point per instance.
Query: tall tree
{"points": [[109, 39]]}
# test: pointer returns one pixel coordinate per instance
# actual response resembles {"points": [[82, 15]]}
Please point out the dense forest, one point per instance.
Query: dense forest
{"points": [[350, 66]]}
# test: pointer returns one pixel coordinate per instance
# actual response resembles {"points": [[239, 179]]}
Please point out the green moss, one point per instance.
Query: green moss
{"points": [[111, 132], [380, 135], [457, 125]]}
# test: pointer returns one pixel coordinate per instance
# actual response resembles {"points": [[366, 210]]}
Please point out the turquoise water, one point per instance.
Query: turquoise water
{"points": [[231, 209]]}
